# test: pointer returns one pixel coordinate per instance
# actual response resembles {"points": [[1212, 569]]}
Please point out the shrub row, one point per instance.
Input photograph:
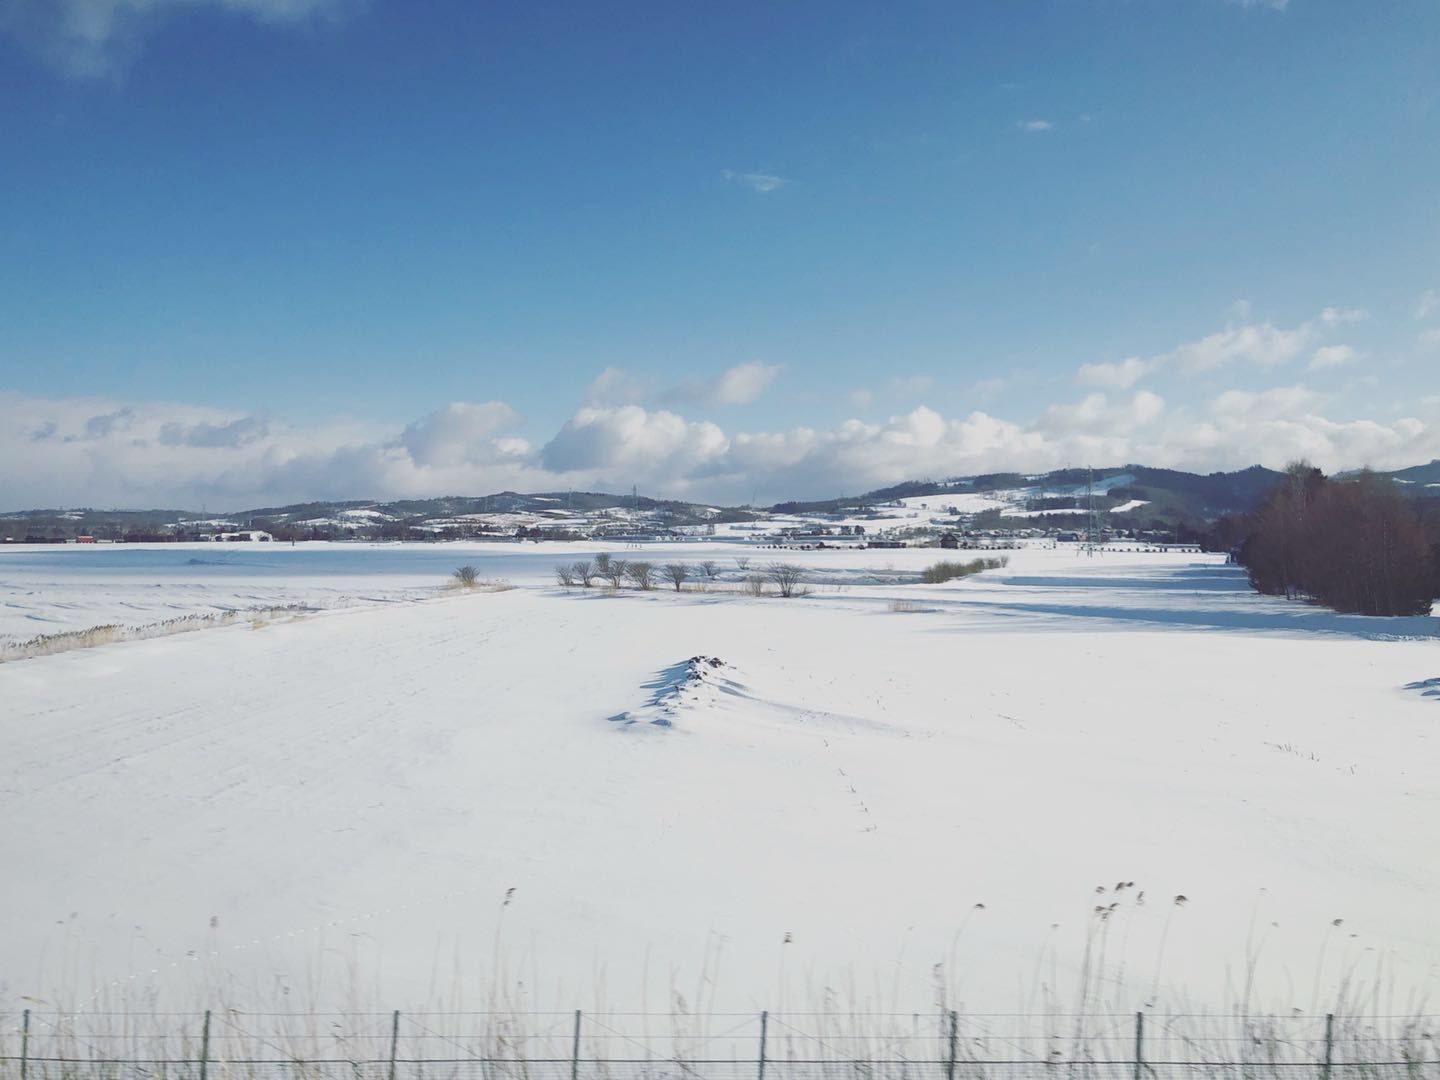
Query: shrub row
{"points": [[942, 572]]}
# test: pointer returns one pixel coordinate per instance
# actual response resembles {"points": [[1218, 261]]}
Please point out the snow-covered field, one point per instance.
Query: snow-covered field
{"points": [[998, 787]]}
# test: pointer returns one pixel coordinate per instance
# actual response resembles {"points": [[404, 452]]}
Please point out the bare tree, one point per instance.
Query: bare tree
{"points": [[641, 573], [755, 584], [1356, 545], [584, 572], [786, 576], [742, 562], [677, 572], [565, 574], [602, 564], [613, 571], [710, 568]]}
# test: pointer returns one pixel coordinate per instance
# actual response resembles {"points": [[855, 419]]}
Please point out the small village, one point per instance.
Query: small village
{"points": [[887, 525]]}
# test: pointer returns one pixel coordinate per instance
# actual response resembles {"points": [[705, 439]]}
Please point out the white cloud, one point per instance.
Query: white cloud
{"points": [[99, 38], [1119, 375], [743, 383], [855, 455], [1273, 404], [630, 440], [1332, 316], [101, 452], [460, 434], [862, 398], [245, 430], [616, 386], [740, 385], [1428, 304], [1263, 345], [1428, 340], [1096, 414], [1273, 5], [82, 451], [1035, 125], [761, 183], [1332, 356]]}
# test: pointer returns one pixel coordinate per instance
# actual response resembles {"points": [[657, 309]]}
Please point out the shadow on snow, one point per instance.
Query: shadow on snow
{"points": [[1302, 619]]}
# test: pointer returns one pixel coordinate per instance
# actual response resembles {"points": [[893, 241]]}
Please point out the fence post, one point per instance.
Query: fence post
{"points": [[394, 1040], [25, 1046], [1139, 1045], [1329, 1045], [575, 1050], [205, 1046], [954, 1035], [764, 1024]]}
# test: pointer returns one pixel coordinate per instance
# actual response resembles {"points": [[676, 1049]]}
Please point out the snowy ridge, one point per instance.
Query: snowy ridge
{"points": [[681, 688]]}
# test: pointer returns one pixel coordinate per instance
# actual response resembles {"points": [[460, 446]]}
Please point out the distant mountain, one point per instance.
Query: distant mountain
{"points": [[558, 505], [1420, 475], [1137, 493], [1133, 497], [504, 514]]}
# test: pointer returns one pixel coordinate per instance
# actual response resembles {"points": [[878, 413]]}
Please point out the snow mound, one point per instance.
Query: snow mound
{"points": [[1425, 687], [683, 686]]}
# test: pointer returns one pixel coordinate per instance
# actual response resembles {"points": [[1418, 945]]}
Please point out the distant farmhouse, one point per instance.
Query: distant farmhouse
{"points": [[244, 536]]}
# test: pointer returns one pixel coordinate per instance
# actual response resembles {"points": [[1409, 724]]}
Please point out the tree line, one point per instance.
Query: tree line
{"points": [[1354, 544], [787, 577]]}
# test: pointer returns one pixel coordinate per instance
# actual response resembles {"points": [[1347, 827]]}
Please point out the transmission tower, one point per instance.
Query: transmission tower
{"points": [[1092, 515]]}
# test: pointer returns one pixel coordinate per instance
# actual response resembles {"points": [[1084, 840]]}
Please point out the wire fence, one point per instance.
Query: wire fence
{"points": [[944, 1045]]}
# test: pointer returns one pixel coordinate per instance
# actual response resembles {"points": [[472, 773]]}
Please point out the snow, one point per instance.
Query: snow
{"points": [[330, 808], [46, 590], [1107, 484], [1011, 501], [964, 502], [1133, 504]]}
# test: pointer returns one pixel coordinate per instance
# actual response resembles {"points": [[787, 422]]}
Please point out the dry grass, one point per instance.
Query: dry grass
{"points": [[509, 1042], [468, 579], [1087, 1032], [907, 607], [112, 633]]}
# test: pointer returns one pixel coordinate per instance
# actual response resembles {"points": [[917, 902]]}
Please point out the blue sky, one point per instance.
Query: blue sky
{"points": [[259, 250]]}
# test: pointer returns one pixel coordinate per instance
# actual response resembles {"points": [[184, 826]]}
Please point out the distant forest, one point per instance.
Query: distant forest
{"points": [[1354, 544]]}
